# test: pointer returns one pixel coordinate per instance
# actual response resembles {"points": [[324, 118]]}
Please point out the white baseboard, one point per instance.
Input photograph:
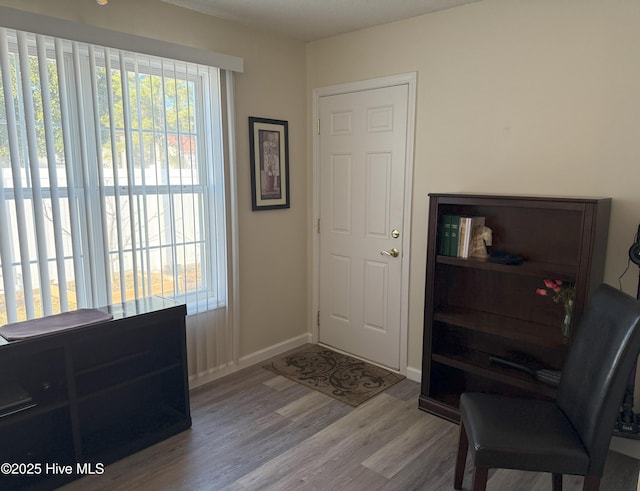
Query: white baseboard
{"points": [[275, 350], [414, 374], [212, 374], [203, 378]]}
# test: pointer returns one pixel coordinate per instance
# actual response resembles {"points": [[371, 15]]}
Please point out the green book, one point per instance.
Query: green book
{"points": [[445, 235], [455, 230]]}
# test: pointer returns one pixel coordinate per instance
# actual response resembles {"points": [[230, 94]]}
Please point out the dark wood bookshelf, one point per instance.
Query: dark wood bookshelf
{"points": [[475, 308], [99, 392]]}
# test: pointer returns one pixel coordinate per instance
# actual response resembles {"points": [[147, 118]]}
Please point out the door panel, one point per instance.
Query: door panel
{"points": [[362, 146]]}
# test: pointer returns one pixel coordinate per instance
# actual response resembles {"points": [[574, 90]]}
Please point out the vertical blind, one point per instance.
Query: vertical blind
{"points": [[111, 184]]}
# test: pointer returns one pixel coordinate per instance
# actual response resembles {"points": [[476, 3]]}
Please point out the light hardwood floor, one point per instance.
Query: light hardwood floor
{"points": [[254, 430]]}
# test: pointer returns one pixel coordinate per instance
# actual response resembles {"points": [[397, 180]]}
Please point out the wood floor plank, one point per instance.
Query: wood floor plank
{"points": [[431, 469], [279, 383], [299, 464], [358, 478], [252, 431], [304, 406], [392, 457], [339, 472]]}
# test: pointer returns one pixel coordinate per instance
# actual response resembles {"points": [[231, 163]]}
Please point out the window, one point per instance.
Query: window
{"points": [[112, 182]]}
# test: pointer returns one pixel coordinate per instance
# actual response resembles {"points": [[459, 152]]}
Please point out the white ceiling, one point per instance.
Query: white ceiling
{"points": [[309, 20]]}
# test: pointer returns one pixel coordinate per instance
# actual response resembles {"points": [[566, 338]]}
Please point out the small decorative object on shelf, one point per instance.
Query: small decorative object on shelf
{"points": [[566, 318], [564, 293], [482, 238], [504, 257]]}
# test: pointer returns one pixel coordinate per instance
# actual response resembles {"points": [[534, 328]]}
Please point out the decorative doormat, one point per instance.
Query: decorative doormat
{"points": [[345, 378]]}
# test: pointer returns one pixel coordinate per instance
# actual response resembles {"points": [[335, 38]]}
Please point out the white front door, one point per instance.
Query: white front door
{"points": [[362, 159]]}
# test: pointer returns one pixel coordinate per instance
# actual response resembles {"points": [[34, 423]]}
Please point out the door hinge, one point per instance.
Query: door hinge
{"points": [[318, 225], [318, 319], [318, 127]]}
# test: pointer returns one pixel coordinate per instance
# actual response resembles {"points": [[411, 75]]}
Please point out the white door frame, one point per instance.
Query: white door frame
{"points": [[408, 79]]}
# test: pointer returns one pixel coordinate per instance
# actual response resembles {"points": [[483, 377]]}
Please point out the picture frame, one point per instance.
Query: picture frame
{"points": [[269, 158]]}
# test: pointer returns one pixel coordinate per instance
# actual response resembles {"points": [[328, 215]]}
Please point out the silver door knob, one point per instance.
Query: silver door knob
{"points": [[393, 252]]}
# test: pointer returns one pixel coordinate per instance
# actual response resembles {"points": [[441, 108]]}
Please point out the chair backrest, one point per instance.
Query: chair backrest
{"points": [[603, 352]]}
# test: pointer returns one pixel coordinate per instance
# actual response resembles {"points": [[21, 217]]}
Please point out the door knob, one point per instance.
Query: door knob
{"points": [[393, 252]]}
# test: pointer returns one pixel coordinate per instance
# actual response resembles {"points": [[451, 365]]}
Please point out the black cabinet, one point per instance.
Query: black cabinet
{"points": [[94, 394], [476, 310]]}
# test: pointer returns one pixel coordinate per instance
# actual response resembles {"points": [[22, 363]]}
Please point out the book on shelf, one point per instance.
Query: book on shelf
{"points": [[448, 234], [463, 234], [456, 233], [444, 235], [455, 236], [468, 226]]}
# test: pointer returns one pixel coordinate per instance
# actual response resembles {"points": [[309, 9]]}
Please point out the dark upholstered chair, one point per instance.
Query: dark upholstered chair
{"points": [[570, 435]]}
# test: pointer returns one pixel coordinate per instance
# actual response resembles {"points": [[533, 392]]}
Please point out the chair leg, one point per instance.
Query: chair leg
{"points": [[591, 483], [480, 478], [556, 483], [461, 459]]}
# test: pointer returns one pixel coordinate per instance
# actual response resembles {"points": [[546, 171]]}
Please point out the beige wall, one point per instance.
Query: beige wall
{"points": [[273, 260], [513, 97]]}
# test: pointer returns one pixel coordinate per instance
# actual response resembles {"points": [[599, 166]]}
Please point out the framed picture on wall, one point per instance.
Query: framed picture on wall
{"points": [[269, 156]]}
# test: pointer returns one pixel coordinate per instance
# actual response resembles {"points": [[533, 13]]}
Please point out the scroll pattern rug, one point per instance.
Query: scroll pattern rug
{"points": [[345, 378]]}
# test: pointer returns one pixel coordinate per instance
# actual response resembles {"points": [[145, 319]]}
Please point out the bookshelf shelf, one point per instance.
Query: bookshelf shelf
{"points": [[479, 364], [528, 268], [475, 308], [506, 327]]}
